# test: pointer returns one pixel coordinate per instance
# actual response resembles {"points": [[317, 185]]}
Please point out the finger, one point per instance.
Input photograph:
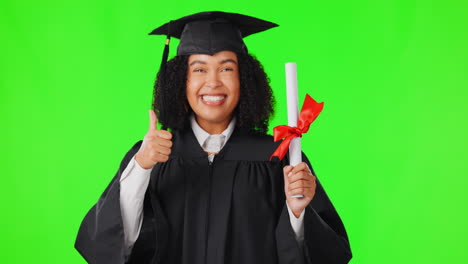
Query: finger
{"points": [[301, 190], [304, 191], [163, 134], [153, 125], [164, 150], [165, 143], [302, 175], [298, 167], [301, 184], [297, 191]]}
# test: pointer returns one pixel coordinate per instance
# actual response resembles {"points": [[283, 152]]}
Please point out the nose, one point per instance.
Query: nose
{"points": [[213, 80]]}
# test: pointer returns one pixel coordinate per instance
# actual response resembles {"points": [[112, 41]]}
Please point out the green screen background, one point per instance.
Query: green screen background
{"points": [[389, 147]]}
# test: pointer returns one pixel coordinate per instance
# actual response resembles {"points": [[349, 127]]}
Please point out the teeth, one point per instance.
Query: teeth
{"points": [[210, 98]]}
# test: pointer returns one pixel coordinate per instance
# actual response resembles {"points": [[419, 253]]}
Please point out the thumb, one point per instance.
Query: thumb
{"points": [[286, 171], [153, 125]]}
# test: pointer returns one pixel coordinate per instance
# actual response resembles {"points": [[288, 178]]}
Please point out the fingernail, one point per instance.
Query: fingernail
{"points": [[289, 174]]}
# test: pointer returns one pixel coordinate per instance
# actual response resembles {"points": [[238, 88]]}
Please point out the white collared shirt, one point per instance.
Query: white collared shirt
{"points": [[134, 182], [202, 135]]}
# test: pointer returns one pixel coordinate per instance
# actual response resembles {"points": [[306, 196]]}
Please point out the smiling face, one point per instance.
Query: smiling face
{"points": [[213, 89]]}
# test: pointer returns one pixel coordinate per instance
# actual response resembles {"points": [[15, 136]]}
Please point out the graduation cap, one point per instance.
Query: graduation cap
{"points": [[210, 32]]}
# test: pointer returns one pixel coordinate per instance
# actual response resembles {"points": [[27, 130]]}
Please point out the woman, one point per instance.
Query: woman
{"points": [[206, 192]]}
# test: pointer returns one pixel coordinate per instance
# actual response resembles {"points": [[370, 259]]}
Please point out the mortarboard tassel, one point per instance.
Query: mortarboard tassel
{"points": [[165, 53], [166, 50]]}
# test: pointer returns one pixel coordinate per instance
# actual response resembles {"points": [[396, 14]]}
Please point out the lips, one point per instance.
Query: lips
{"points": [[215, 99]]}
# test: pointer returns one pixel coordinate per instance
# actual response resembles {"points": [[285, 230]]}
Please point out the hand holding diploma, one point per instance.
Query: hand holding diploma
{"points": [[156, 145], [298, 180]]}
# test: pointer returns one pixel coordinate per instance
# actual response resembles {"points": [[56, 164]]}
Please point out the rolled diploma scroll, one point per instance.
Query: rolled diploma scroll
{"points": [[293, 114]]}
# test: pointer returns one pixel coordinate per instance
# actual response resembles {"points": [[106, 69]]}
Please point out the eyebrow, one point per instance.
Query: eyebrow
{"points": [[222, 62], [197, 62], [228, 60]]}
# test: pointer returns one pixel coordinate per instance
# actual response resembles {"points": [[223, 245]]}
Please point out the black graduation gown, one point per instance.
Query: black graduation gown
{"points": [[231, 211]]}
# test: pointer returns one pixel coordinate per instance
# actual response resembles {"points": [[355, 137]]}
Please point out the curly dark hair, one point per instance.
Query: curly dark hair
{"points": [[253, 112]]}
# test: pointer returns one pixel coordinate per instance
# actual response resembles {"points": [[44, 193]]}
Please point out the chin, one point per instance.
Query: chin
{"points": [[213, 118]]}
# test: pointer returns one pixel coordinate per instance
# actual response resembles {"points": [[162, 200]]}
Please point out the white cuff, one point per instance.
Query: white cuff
{"points": [[297, 224], [134, 168], [133, 184]]}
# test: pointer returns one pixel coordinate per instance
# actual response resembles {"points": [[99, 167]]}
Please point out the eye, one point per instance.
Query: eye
{"points": [[227, 69], [198, 70]]}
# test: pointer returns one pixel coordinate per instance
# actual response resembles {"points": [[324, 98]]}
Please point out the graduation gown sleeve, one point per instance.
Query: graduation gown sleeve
{"points": [[100, 238], [325, 238]]}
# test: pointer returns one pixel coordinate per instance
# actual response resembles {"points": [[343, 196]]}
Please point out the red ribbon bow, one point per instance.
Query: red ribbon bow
{"points": [[309, 112]]}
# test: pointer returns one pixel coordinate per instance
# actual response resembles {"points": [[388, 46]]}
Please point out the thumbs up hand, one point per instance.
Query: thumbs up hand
{"points": [[156, 145]]}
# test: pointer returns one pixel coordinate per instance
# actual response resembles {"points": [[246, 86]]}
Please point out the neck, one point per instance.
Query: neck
{"points": [[213, 128]]}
